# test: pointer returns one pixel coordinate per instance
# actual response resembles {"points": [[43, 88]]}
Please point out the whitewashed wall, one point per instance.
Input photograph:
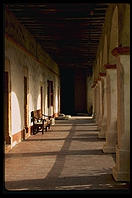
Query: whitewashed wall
{"points": [[38, 75]]}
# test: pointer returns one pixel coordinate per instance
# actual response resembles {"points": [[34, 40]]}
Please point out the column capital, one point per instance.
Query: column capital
{"points": [[120, 51], [94, 84], [102, 74], [109, 66]]}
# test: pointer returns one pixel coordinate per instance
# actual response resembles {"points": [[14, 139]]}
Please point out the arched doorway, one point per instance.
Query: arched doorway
{"points": [[114, 38], [7, 101]]}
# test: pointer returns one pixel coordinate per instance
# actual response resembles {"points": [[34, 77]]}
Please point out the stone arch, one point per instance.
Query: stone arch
{"points": [[114, 40], [124, 34], [100, 60], [105, 52], [98, 65]]}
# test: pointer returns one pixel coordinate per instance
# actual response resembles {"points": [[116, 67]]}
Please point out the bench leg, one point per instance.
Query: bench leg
{"points": [[45, 128], [34, 130]]}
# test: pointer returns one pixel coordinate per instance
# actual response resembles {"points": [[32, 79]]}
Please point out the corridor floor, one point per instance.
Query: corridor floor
{"points": [[67, 157]]}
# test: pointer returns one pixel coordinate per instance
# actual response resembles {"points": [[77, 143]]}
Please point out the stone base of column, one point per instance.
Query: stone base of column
{"points": [[96, 123], [121, 171], [101, 134], [94, 116], [120, 176], [109, 148], [103, 130], [98, 128]]}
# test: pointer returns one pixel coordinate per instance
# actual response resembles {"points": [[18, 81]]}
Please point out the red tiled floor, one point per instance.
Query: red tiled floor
{"points": [[68, 157]]}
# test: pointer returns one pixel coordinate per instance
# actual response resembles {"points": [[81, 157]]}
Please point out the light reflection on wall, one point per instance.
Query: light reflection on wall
{"points": [[15, 114], [56, 104]]}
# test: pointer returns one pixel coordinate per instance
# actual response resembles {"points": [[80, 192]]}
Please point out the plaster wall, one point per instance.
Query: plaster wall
{"points": [[24, 54], [37, 76]]}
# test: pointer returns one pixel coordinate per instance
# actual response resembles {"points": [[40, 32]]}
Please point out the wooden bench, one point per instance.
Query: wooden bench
{"points": [[40, 121], [48, 120]]}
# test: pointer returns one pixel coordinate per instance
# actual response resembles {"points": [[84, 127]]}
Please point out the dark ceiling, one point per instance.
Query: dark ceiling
{"points": [[69, 33]]}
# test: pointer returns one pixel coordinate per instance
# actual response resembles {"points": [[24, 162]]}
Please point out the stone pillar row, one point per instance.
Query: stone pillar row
{"points": [[121, 170], [103, 106], [100, 103], [111, 98], [94, 99], [112, 111]]}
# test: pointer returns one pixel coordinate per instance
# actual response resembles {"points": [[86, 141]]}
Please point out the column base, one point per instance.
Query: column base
{"points": [[108, 148], [101, 134], [98, 128], [7, 148], [121, 171], [120, 176]]}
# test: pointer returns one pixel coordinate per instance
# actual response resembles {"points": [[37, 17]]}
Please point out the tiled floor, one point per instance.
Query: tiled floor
{"points": [[67, 157]]}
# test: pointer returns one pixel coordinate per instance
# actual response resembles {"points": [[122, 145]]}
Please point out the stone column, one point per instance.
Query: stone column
{"points": [[94, 99], [111, 132], [95, 88], [94, 104], [100, 103], [104, 107], [121, 171], [97, 102]]}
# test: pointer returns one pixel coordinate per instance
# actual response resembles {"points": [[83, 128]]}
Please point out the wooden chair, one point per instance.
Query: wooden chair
{"points": [[48, 120], [39, 123]]}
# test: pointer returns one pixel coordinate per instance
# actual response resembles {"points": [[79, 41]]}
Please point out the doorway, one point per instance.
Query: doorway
{"points": [[41, 95], [7, 138], [25, 109], [67, 91], [50, 94]]}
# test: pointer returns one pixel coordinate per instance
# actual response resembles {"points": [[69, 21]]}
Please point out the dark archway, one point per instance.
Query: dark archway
{"points": [[67, 91]]}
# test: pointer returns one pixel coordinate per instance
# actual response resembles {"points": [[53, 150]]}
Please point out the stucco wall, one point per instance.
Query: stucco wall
{"points": [[37, 75], [27, 58]]}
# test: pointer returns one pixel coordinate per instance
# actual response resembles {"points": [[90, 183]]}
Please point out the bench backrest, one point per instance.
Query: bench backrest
{"points": [[37, 114]]}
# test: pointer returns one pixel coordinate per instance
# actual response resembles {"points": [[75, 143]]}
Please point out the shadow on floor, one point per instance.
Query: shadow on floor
{"points": [[100, 181], [54, 181], [86, 139], [63, 152]]}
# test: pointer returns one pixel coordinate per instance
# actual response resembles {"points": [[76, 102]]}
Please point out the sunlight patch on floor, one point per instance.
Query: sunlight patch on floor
{"points": [[71, 187]]}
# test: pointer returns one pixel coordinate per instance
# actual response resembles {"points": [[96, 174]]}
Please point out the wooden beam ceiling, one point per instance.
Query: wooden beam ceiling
{"points": [[68, 32]]}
